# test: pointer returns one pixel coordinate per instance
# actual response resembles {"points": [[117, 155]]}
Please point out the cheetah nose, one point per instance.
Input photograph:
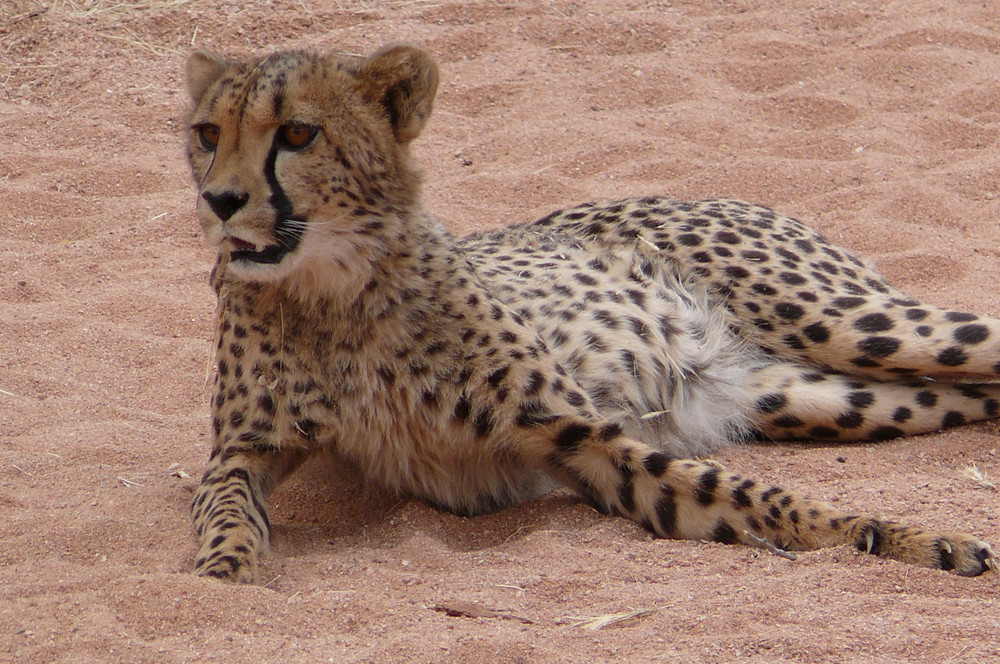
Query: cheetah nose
{"points": [[225, 204]]}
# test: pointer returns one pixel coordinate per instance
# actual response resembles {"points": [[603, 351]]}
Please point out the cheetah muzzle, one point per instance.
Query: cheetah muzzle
{"points": [[475, 372]]}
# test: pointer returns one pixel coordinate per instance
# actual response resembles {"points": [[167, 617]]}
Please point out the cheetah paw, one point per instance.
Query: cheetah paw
{"points": [[233, 564], [964, 555], [954, 552]]}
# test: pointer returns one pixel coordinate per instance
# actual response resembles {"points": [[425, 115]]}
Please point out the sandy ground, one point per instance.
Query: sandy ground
{"points": [[877, 122]]}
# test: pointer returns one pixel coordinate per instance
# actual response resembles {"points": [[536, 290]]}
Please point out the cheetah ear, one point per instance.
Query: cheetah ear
{"points": [[403, 80], [203, 69]]}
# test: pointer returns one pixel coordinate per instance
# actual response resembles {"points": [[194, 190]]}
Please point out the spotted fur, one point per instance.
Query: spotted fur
{"points": [[479, 371]]}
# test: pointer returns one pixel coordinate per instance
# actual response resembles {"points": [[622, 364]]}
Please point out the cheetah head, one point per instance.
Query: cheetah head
{"points": [[301, 160]]}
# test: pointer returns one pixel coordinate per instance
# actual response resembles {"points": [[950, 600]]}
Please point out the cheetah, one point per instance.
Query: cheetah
{"points": [[609, 347]]}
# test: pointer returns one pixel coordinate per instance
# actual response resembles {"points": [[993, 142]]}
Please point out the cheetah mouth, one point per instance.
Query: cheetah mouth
{"points": [[288, 232], [269, 255]]}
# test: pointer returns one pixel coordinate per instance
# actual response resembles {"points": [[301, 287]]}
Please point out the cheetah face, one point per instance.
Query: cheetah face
{"points": [[298, 157]]}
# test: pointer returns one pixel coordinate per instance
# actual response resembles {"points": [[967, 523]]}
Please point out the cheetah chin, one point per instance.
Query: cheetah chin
{"points": [[606, 347]]}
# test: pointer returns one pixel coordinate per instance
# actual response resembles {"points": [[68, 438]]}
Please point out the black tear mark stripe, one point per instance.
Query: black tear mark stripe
{"points": [[288, 237]]}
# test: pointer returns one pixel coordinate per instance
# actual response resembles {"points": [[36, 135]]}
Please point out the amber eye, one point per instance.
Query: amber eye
{"points": [[209, 135], [296, 136]]}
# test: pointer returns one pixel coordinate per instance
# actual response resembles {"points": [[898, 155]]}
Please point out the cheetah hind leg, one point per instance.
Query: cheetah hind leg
{"points": [[793, 401], [689, 499]]}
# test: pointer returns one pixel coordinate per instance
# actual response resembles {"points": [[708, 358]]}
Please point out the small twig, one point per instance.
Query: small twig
{"points": [[769, 546], [458, 609], [128, 482]]}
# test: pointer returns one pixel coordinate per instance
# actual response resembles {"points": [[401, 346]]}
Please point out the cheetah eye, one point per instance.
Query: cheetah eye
{"points": [[209, 136], [296, 136]]}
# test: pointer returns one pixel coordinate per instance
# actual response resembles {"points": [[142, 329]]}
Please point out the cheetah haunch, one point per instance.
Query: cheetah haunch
{"points": [[480, 371]]}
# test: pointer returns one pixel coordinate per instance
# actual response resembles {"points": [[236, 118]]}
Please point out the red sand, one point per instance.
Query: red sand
{"points": [[876, 122]]}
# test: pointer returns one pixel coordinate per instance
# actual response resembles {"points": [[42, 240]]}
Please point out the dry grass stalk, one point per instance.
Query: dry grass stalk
{"points": [[978, 477], [600, 622], [112, 7]]}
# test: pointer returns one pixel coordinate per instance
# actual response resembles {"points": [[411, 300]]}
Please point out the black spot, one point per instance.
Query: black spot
{"points": [[971, 334], [770, 402], [874, 323], [630, 362], [851, 420], [666, 511], [609, 431], [991, 407], [497, 376], [924, 330], [737, 272], [952, 418], [535, 382], [822, 432], [861, 399], [707, 484], [571, 435], [266, 403], [626, 490], [793, 341], [879, 346], [727, 237], [763, 289], [960, 317], [805, 246], [952, 356], [787, 422], [901, 414], [816, 333], [769, 494], [885, 433], [789, 311], [724, 533], [916, 314], [740, 496], [754, 256], [792, 278], [656, 463], [483, 422], [462, 408], [689, 239], [926, 398], [848, 302]]}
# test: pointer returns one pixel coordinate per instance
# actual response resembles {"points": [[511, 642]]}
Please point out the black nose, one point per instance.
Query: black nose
{"points": [[225, 204]]}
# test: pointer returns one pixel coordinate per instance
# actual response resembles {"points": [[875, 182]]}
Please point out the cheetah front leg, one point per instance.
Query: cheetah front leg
{"points": [[229, 509], [682, 498]]}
